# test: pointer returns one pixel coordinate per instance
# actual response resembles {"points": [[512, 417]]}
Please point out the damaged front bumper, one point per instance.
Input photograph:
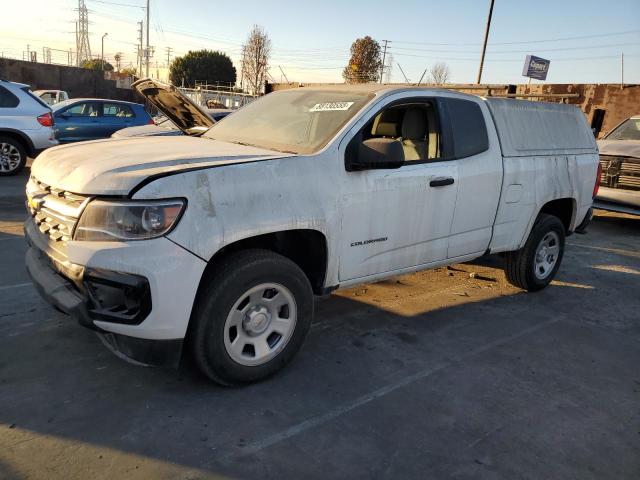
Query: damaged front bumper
{"points": [[116, 304]]}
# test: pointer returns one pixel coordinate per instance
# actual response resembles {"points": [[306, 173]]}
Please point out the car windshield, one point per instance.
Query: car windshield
{"points": [[629, 130], [293, 121]]}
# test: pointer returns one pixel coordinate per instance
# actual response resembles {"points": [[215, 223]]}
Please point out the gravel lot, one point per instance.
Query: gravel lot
{"points": [[438, 374]]}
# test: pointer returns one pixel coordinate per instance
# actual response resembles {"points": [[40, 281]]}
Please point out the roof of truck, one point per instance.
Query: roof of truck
{"points": [[373, 88]]}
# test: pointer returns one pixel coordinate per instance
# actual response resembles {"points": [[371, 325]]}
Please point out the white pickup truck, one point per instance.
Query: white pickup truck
{"points": [[217, 240]]}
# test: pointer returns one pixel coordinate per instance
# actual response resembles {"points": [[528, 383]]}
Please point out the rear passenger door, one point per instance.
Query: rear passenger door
{"points": [[479, 161], [116, 116]]}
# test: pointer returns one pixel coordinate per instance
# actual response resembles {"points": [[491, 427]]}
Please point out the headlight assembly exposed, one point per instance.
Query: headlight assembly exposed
{"points": [[104, 220]]}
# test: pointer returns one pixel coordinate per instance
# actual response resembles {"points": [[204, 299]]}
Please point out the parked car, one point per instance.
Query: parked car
{"points": [[92, 118], [222, 236], [620, 163], [25, 126], [165, 127], [51, 97]]}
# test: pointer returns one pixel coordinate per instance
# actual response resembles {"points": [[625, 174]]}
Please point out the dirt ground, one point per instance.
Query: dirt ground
{"points": [[450, 373]]}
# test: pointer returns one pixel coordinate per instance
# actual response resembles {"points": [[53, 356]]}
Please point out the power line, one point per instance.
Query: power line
{"points": [[562, 49], [523, 42], [117, 4]]}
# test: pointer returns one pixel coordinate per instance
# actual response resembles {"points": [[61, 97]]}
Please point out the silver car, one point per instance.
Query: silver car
{"points": [[25, 126], [620, 166]]}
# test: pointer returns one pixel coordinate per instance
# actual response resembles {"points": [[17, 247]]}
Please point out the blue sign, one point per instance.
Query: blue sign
{"points": [[536, 67]]}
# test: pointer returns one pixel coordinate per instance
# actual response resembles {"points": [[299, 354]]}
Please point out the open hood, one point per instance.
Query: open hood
{"points": [[623, 148], [184, 113]]}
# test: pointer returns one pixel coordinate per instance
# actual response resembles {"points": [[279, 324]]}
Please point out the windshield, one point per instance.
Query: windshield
{"points": [[629, 130], [293, 121]]}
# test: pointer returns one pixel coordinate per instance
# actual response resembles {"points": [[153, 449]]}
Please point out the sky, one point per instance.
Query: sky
{"points": [[584, 39]]}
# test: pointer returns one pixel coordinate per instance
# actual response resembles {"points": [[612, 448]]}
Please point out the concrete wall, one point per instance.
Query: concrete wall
{"points": [[78, 82], [618, 103]]}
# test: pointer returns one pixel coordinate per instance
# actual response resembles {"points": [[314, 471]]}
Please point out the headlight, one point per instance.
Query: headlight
{"points": [[133, 220]]}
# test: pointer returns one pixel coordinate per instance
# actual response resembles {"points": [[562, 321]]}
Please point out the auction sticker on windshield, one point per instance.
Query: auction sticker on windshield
{"points": [[331, 107]]}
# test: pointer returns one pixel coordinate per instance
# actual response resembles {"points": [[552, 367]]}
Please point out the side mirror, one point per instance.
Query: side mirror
{"points": [[375, 153], [64, 115]]}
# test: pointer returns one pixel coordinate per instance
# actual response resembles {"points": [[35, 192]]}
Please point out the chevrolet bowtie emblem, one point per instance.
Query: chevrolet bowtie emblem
{"points": [[36, 201]]}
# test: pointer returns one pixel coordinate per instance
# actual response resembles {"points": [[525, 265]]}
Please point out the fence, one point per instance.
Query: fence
{"points": [[226, 98]]}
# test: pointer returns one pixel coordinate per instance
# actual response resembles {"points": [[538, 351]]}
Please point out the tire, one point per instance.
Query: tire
{"points": [[524, 268], [13, 156], [230, 329]]}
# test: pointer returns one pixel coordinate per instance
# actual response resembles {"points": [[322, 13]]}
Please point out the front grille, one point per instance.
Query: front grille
{"points": [[620, 172], [55, 211]]}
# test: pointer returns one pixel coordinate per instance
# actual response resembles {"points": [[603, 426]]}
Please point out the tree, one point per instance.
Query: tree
{"points": [[202, 65], [131, 71], [255, 58], [365, 62], [439, 73], [96, 64]]}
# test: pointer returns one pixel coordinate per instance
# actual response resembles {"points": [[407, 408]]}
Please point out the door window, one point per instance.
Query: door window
{"points": [[415, 124], [468, 127], [117, 110], [8, 99], [83, 110]]}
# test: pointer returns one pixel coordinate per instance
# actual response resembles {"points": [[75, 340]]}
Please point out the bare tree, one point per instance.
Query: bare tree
{"points": [[255, 58], [439, 73]]}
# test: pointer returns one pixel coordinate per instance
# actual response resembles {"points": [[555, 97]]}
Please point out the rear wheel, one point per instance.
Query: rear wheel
{"points": [[13, 156], [251, 317], [535, 265]]}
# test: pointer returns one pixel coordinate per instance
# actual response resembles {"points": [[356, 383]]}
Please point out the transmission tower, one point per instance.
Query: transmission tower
{"points": [[83, 48], [388, 68]]}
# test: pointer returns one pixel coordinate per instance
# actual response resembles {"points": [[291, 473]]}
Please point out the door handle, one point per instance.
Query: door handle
{"points": [[441, 182]]}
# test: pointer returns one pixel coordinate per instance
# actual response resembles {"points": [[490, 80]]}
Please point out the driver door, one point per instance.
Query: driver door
{"points": [[398, 219]]}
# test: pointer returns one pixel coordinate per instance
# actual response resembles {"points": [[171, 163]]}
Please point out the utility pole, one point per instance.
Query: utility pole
{"points": [[139, 63], [486, 39], [242, 64], [168, 49], [146, 51], [422, 76], [384, 56], [405, 77], [285, 75], [102, 52]]}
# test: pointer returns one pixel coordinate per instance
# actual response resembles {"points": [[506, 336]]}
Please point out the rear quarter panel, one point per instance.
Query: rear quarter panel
{"points": [[532, 181]]}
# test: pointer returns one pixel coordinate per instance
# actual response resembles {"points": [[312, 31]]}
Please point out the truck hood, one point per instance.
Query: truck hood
{"points": [[623, 148], [145, 131], [184, 113], [116, 166]]}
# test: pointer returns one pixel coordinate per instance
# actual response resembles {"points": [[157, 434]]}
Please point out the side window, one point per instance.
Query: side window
{"points": [[49, 98], [83, 110], [415, 124], [468, 128], [8, 99], [117, 110]]}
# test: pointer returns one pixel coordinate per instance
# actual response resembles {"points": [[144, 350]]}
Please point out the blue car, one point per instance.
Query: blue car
{"points": [[82, 119]]}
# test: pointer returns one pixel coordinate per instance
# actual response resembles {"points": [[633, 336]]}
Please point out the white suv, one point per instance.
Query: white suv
{"points": [[25, 126]]}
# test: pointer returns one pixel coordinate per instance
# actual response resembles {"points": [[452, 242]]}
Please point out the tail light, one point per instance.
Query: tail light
{"points": [[596, 187], [151, 122], [46, 119]]}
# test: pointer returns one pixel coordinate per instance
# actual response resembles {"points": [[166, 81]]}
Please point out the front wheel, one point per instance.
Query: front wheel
{"points": [[535, 265], [251, 317]]}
